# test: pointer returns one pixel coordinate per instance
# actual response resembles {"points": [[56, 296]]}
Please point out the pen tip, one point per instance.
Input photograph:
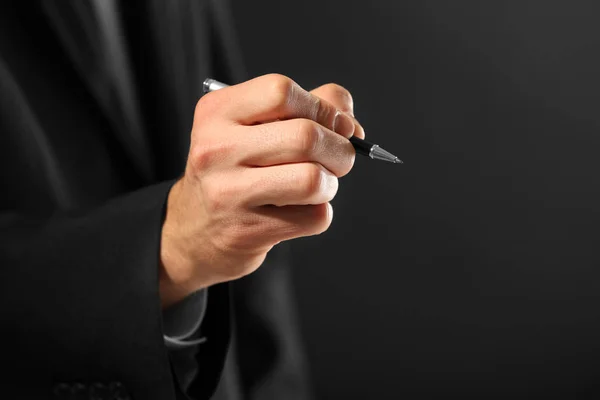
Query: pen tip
{"points": [[398, 161]]}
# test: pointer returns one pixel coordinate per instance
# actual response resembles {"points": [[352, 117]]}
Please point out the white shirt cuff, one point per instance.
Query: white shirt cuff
{"points": [[182, 321]]}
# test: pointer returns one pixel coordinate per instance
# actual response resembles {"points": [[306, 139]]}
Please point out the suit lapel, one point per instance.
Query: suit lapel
{"points": [[189, 37], [90, 34]]}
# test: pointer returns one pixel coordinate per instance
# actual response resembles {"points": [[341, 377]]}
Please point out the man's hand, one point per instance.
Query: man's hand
{"points": [[264, 162]]}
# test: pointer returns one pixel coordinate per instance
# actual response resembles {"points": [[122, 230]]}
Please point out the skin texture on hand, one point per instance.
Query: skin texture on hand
{"points": [[263, 165]]}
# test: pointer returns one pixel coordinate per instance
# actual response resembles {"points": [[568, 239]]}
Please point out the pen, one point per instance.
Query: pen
{"points": [[360, 145]]}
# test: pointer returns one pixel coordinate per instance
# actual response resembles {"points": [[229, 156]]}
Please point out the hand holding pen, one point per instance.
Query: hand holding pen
{"points": [[361, 146], [264, 161]]}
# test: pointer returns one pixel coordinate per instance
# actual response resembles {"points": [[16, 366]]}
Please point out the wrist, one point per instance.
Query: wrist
{"points": [[175, 270]]}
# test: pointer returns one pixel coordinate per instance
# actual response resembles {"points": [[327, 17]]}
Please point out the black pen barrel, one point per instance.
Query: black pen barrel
{"points": [[361, 146]]}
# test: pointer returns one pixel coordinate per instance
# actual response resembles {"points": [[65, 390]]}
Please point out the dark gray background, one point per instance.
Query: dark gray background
{"points": [[474, 269]]}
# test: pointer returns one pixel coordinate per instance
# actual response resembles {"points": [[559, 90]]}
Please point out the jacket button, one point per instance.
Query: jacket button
{"points": [[62, 391], [118, 391], [98, 391]]}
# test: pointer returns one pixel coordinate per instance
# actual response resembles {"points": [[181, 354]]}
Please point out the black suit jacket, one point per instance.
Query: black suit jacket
{"points": [[87, 158]]}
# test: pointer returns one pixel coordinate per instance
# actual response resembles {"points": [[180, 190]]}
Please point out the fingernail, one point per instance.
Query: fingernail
{"points": [[343, 124], [359, 131]]}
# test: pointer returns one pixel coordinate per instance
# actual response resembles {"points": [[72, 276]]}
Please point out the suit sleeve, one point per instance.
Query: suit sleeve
{"points": [[271, 363], [79, 300]]}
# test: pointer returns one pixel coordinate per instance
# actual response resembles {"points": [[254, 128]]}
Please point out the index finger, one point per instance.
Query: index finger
{"points": [[277, 97]]}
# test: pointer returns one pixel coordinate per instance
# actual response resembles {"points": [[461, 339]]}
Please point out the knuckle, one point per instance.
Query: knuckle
{"points": [[206, 112], [318, 107], [341, 93], [308, 136], [199, 158], [312, 180], [281, 90], [206, 155], [206, 104]]}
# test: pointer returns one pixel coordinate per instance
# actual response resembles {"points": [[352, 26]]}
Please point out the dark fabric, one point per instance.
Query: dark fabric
{"points": [[182, 321], [267, 361], [79, 299], [86, 163]]}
